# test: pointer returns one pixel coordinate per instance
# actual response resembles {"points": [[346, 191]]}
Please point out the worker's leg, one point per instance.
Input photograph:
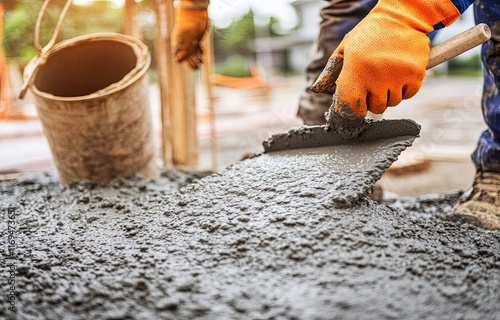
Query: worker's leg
{"points": [[338, 18], [487, 155], [481, 204]]}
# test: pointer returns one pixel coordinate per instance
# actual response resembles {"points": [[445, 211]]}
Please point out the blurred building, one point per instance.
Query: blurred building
{"points": [[465, 22], [293, 52]]}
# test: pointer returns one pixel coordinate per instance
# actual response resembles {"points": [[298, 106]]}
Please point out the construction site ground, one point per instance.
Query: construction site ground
{"points": [[260, 239], [448, 109]]}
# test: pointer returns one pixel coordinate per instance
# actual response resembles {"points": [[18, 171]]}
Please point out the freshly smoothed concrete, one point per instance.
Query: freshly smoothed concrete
{"points": [[250, 242], [346, 167]]}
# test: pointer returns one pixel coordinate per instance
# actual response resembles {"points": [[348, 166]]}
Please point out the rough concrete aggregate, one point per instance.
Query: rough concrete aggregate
{"points": [[242, 244], [344, 173]]}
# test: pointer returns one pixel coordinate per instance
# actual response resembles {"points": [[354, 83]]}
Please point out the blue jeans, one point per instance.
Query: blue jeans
{"points": [[487, 154]]}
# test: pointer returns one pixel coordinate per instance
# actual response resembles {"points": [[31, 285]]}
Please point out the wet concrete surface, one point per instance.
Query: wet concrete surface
{"points": [[347, 166], [340, 174], [448, 109], [241, 244], [325, 135]]}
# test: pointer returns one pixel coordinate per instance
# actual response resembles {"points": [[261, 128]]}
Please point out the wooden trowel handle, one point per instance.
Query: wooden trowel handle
{"points": [[459, 44]]}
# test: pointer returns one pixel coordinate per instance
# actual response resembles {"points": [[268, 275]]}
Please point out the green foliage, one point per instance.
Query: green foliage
{"points": [[98, 17], [237, 37], [233, 45], [473, 62], [235, 65], [19, 26], [20, 19], [464, 67]]}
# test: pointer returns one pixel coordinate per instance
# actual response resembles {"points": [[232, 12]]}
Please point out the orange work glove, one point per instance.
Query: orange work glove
{"points": [[385, 56], [191, 23]]}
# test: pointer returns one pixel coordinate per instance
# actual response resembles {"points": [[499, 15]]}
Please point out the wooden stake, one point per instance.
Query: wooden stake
{"points": [[178, 105], [4, 74], [131, 27], [207, 75]]}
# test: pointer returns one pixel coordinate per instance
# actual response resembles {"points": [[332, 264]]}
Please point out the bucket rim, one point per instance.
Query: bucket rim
{"points": [[140, 49]]}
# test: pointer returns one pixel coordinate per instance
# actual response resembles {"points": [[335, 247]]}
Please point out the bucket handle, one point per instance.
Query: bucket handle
{"points": [[42, 51]]}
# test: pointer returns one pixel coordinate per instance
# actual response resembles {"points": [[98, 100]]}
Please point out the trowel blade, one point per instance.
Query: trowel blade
{"points": [[324, 135], [346, 168]]}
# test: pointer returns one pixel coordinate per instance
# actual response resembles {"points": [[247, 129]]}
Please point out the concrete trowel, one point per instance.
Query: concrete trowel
{"points": [[349, 156]]}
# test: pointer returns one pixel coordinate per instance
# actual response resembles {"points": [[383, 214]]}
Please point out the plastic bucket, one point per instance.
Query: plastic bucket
{"points": [[91, 94]]}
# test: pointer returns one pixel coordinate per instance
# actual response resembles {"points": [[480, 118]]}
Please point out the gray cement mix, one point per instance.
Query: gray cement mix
{"points": [[250, 242], [326, 135], [344, 173], [346, 167], [347, 125]]}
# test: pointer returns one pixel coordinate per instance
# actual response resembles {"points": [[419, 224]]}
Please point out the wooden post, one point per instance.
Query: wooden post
{"points": [[131, 27], [4, 74], [178, 105], [207, 77], [161, 46]]}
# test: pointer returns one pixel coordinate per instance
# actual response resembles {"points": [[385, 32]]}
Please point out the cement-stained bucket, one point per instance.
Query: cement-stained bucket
{"points": [[91, 95]]}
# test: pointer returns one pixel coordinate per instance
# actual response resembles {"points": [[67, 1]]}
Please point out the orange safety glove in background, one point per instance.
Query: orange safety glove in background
{"points": [[191, 23], [385, 56]]}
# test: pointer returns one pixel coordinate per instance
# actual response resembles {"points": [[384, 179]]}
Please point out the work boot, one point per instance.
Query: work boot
{"points": [[480, 205]]}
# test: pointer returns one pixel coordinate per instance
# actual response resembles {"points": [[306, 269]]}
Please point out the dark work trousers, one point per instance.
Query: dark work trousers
{"points": [[338, 18], [487, 154]]}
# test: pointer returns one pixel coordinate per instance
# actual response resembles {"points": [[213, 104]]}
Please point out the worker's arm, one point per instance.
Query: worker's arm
{"points": [[385, 56], [191, 23]]}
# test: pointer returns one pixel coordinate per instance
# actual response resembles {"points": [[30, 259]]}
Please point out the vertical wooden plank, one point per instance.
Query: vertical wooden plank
{"points": [[160, 8], [182, 102], [177, 84], [207, 79], [187, 148], [4, 74], [131, 27]]}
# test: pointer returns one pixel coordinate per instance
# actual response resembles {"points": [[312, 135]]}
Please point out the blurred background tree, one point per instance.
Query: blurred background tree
{"points": [[21, 15], [233, 44]]}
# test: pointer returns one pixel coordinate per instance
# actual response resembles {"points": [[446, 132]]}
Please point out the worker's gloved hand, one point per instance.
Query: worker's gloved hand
{"points": [[385, 56], [190, 26]]}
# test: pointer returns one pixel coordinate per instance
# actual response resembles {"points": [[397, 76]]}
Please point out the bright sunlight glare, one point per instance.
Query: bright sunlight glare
{"points": [[115, 3], [223, 12]]}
